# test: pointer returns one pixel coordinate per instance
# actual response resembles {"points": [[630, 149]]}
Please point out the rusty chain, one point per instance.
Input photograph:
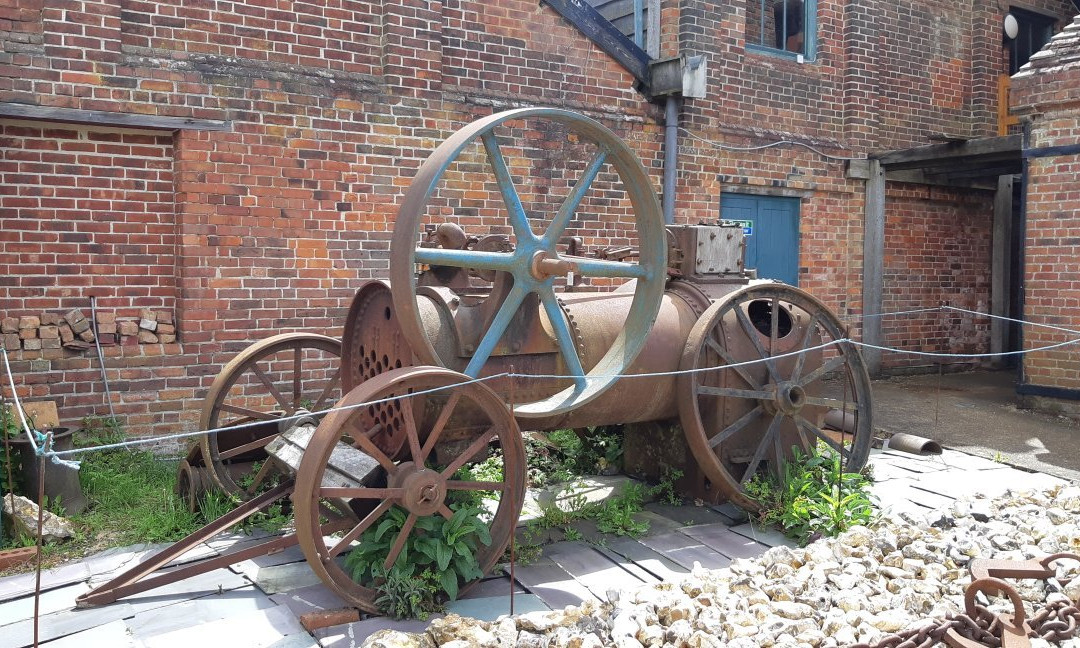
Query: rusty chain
{"points": [[1056, 620]]}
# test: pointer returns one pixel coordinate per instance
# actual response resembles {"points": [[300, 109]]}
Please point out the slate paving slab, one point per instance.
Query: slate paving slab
{"points": [[684, 550], [62, 624], [768, 537], [295, 641], [552, 584], [51, 601], [492, 586], [18, 586], [283, 578], [591, 568], [202, 610], [111, 635], [685, 515], [654, 563], [213, 582], [254, 629], [721, 539], [492, 607], [313, 598]]}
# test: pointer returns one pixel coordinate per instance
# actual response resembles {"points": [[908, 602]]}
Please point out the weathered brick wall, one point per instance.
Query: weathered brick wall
{"points": [[1047, 94], [332, 106]]}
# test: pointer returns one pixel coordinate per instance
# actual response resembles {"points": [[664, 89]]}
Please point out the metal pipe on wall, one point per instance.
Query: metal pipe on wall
{"points": [[671, 156]]}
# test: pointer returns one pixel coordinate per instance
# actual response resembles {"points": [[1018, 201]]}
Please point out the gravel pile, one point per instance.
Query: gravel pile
{"points": [[906, 572]]}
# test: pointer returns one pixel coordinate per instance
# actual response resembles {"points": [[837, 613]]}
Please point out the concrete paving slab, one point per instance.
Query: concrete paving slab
{"points": [[622, 561], [202, 610], [492, 607], [768, 537], [111, 635], [313, 598], [254, 629], [18, 586], [284, 578], [685, 550], [62, 624], [52, 601]]}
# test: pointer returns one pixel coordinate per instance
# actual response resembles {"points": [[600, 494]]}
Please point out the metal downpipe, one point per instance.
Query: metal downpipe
{"points": [[671, 156]]}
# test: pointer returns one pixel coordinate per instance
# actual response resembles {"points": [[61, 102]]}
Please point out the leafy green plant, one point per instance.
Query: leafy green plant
{"points": [[405, 596], [814, 497], [10, 464], [570, 534], [616, 514], [447, 548], [665, 491]]}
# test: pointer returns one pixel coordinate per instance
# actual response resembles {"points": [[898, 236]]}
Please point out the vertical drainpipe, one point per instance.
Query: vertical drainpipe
{"points": [[671, 156]]}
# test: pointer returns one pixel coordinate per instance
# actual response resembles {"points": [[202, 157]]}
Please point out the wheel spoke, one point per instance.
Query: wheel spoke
{"points": [[831, 403], [774, 325], [475, 485], [364, 524], [766, 441], [445, 511], [480, 260], [730, 360], [265, 380], [566, 210], [297, 385], [752, 333], [819, 433], [603, 268], [331, 384], [518, 219], [368, 446], [250, 413], [440, 424], [495, 330], [264, 470], [350, 492], [247, 447], [470, 452], [411, 432], [828, 366], [565, 338], [399, 543], [706, 390], [800, 361], [742, 422]]}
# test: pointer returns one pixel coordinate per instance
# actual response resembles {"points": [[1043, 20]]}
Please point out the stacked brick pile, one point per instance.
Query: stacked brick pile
{"points": [[73, 331]]}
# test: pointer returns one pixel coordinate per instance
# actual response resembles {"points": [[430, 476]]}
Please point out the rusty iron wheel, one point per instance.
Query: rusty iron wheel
{"points": [[414, 482], [536, 259], [270, 379], [744, 420]]}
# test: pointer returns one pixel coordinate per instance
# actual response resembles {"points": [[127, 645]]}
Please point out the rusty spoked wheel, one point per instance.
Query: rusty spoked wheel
{"points": [[744, 420], [537, 258], [271, 379], [418, 486]]}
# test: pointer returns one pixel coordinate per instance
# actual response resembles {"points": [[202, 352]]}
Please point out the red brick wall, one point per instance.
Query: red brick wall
{"points": [[937, 250]]}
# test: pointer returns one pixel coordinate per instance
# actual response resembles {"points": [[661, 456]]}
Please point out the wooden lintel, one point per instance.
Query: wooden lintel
{"points": [[918, 176], [600, 31], [994, 147], [109, 118]]}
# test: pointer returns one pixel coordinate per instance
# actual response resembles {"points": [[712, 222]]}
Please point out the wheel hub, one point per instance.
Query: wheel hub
{"points": [[788, 398], [425, 489]]}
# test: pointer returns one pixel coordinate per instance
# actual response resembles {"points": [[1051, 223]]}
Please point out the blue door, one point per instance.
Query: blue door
{"points": [[772, 245]]}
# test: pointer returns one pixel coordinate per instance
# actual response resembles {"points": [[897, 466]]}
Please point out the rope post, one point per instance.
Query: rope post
{"points": [[40, 525], [513, 531]]}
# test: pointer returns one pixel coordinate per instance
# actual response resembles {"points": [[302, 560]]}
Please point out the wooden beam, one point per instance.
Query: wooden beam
{"points": [[109, 118], [589, 22], [873, 265], [1001, 267], [918, 176], [992, 147]]}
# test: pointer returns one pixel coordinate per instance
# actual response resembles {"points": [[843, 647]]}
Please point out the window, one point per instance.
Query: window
{"points": [[782, 27], [1034, 33]]}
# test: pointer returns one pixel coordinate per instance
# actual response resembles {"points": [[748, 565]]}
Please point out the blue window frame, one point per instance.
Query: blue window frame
{"points": [[782, 27]]}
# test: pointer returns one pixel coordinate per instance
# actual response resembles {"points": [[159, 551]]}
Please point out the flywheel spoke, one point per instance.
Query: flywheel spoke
{"points": [[800, 361], [565, 337], [298, 386], [250, 413], [247, 447], [475, 485], [470, 452], [265, 380], [729, 392], [566, 210], [479, 259], [349, 492], [363, 442], [495, 330], [832, 403], [820, 434], [331, 385], [518, 220], [411, 431], [445, 511]]}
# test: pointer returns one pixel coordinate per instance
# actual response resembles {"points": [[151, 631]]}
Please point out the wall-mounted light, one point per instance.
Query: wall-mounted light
{"points": [[1012, 28]]}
